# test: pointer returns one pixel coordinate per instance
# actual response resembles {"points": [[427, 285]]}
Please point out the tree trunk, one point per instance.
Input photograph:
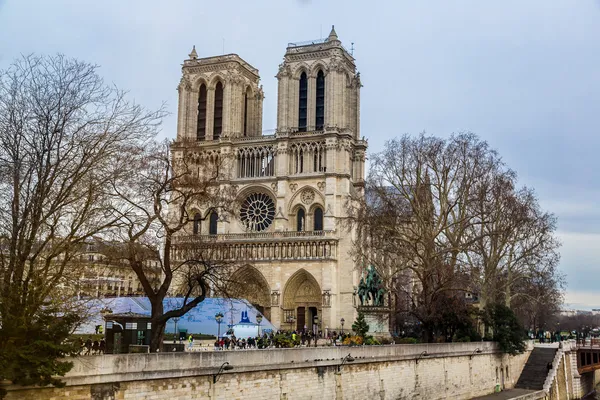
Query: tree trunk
{"points": [[157, 336], [158, 326]]}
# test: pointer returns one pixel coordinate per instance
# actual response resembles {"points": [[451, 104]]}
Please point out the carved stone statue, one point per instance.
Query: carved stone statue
{"points": [[363, 292], [371, 291]]}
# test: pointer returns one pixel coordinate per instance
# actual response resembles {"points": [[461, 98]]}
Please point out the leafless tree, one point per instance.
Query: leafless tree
{"points": [[443, 214], [515, 245], [60, 129], [156, 202]]}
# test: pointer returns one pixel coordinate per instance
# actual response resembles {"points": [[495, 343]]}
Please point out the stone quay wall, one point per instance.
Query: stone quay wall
{"points": [[445, 371]]}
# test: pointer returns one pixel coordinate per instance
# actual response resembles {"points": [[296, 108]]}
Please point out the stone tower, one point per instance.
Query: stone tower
{"points": [[318, 87], [293, 250], [218, 97]]}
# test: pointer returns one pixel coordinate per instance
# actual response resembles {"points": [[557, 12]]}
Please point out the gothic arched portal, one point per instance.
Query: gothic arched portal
{"points": [[248, 283], [302, 295]]}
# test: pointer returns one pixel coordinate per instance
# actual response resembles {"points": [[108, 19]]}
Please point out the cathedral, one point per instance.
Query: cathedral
{"points": [[292, 184]]}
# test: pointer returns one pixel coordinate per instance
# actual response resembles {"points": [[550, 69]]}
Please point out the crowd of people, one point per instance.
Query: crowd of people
{"points": [[92, 347], [278, 339]]}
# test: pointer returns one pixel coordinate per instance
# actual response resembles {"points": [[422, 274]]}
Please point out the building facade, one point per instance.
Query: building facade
{"points": [[95, 272], [292, 185]]}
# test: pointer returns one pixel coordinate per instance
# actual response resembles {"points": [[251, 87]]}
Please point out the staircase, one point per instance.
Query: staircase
{"points": [[535, 371]]}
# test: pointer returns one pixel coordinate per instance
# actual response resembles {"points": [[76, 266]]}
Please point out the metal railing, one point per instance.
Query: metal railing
{"points": [[588, 342], [307, 42]]}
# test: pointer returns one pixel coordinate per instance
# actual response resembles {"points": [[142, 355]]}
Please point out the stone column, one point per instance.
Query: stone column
{"points": [[282, 101], [311, 103], [210, 112], [181, 112], [227, 108], [192, 114], [257, 114], [292, 102], [357, 111], [339, 95]]}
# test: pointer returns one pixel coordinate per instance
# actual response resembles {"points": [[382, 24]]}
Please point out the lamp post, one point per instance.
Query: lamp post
{"points": [[476, 351], [219, 319], [342, 322], [346, 359], [259, 319], [224, 367], [316, 328], [176, 336], [423, 354]]}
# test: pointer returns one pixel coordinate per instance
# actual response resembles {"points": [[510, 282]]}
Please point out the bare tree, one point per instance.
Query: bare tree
{"points": [[425, 186], [515, 239], [61, 128], [442, 218], [156, 202]]}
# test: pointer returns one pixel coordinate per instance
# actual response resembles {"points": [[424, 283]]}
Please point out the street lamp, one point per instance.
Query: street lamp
{"points": [[259, 318], [316, 328], [219, 319], [176, 336], [476, 351], [342, 322], [423, 354], [346, 359], [225, 367]]}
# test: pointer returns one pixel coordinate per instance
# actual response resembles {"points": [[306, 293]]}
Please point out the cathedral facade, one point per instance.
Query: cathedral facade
{"points": [[292, 185]]}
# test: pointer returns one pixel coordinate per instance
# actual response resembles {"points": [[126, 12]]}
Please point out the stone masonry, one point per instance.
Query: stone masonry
{"points": [[452, 371], [293, 184]]}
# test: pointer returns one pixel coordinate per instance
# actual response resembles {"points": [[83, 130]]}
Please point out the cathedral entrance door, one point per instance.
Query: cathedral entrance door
{"points": [[300, 312]]}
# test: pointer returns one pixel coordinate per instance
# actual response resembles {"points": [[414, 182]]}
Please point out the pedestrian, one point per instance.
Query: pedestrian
{"points": [[88, 346], [102, 346], [190, 342], [96, 347]]}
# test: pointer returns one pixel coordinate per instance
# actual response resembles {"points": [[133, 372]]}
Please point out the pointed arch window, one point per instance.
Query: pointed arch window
{"points": [[300, 220], [213, 220], [320, 101], [218, 121], [201, 129], [246, 114], [197, 222], [303, 102], [318, 219]]}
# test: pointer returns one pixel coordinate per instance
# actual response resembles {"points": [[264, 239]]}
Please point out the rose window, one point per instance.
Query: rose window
{"points": [[257, 212]]}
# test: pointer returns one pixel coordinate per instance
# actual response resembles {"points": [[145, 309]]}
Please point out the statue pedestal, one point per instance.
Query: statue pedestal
{"points": [[378, 318]]}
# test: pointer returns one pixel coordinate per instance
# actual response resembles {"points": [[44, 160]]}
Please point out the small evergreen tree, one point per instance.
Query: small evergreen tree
{"points": [[507, 330], [360, 326]]}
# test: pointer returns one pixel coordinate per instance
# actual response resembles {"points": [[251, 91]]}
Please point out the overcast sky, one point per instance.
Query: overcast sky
{"points": [[524, 75]]}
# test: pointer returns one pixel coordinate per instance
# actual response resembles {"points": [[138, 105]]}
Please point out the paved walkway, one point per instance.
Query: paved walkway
{"points": [[505, 394]]}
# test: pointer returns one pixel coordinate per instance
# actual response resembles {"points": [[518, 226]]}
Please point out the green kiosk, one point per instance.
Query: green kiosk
{"points": [[127, 333]]}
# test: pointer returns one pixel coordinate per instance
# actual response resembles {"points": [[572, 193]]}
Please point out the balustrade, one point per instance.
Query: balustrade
{"points": [[298, 247]]}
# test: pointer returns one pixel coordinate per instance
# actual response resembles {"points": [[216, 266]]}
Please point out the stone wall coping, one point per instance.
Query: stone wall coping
{"points": [[135, 367]]}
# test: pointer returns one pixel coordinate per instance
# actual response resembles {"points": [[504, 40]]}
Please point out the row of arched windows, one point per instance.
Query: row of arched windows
{"points": [[317, 220], [217, 127], [213, 220], [255, 162], [217, 112], [307, 157], [319, 102]]}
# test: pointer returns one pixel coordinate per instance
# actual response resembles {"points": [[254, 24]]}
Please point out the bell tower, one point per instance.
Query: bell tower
{"points": [[219, 97], [318, 88]]}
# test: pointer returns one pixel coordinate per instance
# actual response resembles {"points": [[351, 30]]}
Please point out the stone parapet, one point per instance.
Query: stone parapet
{"points": [[131, 367]]}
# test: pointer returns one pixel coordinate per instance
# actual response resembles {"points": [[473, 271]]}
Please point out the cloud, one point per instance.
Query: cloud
{"points": [[582, 300]]}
